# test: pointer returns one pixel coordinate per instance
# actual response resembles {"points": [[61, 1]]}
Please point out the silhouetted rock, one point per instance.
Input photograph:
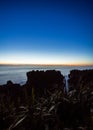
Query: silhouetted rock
{"points": [[81, 89], [80, 78], [42, 104], [42, 81], [9, 83]]}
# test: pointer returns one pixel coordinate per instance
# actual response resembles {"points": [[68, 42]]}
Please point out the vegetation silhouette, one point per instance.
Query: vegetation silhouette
{"points": [[43, 104]]}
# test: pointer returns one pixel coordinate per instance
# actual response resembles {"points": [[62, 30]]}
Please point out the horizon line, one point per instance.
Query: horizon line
{"points": [[28, 64]]}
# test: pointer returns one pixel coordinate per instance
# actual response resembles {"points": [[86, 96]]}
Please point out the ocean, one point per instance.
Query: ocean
{"points": [[17, 73]]}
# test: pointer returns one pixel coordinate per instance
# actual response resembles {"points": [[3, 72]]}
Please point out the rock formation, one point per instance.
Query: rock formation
{"points": [[42, 104]]}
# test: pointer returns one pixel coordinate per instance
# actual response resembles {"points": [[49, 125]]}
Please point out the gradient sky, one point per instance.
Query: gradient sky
{"points": [[46, 31]]}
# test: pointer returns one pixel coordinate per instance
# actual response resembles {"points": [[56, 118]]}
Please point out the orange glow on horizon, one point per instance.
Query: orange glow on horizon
{"points": [[45, 60], [49, 64]]}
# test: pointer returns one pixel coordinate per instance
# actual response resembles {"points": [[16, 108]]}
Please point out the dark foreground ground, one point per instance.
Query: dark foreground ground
{"points": [[44, 104]]}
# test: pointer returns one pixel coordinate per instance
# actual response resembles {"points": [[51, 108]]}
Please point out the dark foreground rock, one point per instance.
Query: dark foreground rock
{"points": [[42, 104], [41, 81]]}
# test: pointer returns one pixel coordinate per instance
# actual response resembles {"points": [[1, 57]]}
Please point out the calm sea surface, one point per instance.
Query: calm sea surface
{"points": [[17, 74]]}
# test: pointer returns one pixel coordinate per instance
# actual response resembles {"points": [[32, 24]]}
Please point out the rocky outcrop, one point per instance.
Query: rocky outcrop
{"points": [[42, 104], [81, 93], [81, 85], [42, 81], [39, 86], [81, 79]]}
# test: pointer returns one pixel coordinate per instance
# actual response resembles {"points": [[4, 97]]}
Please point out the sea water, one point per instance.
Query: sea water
{"points": [[17, 73]]}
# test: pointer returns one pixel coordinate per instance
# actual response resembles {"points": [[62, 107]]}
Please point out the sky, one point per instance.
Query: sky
{"points": [[46, 32]]}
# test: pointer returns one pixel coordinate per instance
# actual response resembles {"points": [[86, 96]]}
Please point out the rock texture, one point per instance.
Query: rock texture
{"points": [[42, 104]]}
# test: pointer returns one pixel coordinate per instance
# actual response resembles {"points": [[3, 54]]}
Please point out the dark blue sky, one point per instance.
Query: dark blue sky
{"points": [[46, 31]]}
